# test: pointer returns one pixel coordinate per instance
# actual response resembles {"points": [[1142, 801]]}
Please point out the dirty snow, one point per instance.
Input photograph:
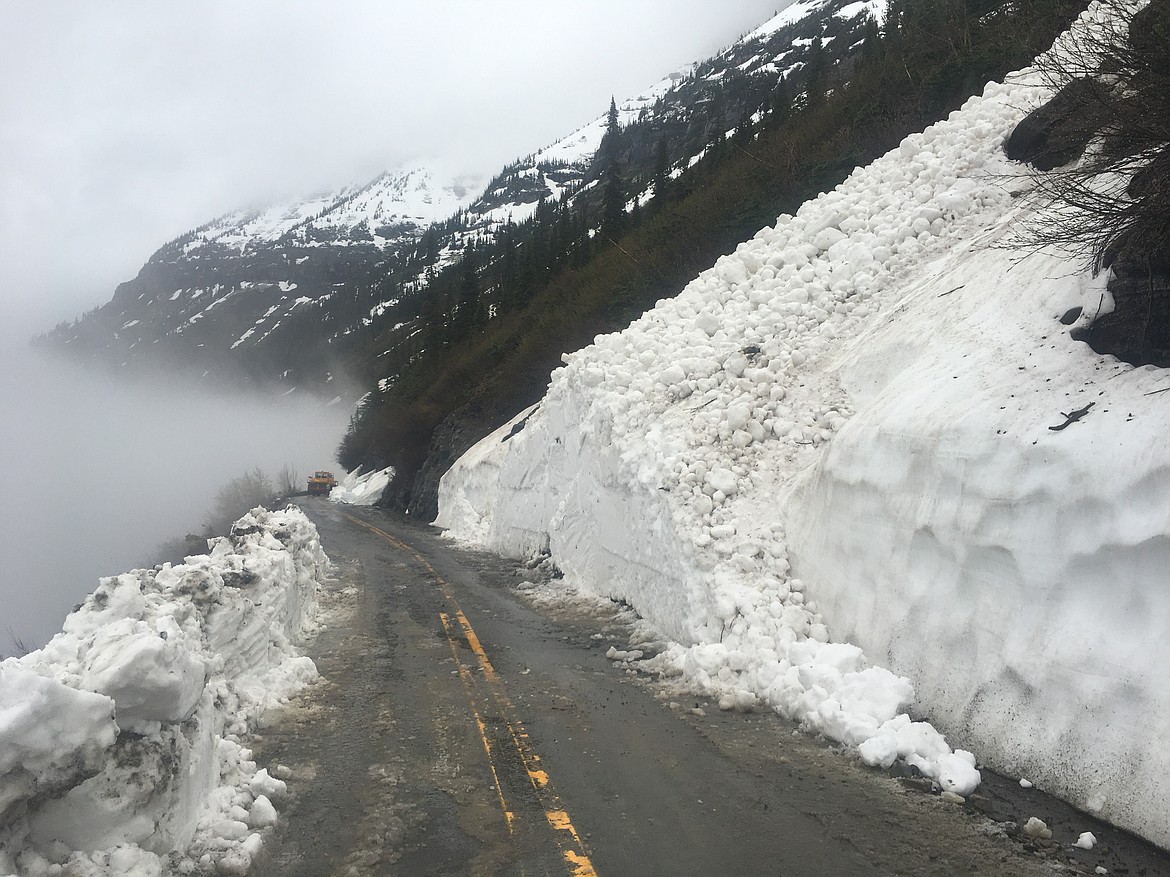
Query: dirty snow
{"points": [[123, 740]]}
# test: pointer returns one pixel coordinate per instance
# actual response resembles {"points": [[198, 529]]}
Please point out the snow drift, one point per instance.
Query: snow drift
{"points": [[846, 427], [120, 740]]}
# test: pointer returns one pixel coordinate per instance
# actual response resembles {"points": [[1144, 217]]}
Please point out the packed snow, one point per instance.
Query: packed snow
{"points": [[358, 488], [833, 453], [123, 740]]}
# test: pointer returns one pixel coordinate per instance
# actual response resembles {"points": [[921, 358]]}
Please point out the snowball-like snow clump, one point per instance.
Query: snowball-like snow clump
{"points": [[845, 425], [362, 489], [120, 740]]}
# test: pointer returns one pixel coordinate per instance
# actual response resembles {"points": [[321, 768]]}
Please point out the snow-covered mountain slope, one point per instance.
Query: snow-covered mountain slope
{"points": [[294, 291], [254, 292], [846, 443], [395, 205], [122, 741]]}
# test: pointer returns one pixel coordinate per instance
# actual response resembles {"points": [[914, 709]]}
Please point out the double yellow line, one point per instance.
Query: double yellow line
{"points": [[457, 628]]}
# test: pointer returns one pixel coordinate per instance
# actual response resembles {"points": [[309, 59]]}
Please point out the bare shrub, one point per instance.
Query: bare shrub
{"points": [[16, 648], [288, 481], [236, 498], [1113, 206]]}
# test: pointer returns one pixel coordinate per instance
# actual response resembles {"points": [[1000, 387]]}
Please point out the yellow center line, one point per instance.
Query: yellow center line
{"points": [[572, 847], [509, 815]]}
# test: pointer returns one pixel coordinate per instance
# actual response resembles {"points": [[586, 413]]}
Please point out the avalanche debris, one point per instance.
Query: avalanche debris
{"points": [[842, 427]]}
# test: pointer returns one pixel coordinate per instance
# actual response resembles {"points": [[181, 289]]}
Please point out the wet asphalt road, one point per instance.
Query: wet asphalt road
{"points": [[459, 730]]}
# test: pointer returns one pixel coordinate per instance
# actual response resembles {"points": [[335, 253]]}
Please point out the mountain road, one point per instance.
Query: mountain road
{"points": [[460, 728]]}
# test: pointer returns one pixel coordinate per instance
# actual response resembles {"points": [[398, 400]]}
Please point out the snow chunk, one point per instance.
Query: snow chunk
{"points": [[262, 814], [723, 480], [365, 489], [51, 735], [150, 678], [267, 786]]}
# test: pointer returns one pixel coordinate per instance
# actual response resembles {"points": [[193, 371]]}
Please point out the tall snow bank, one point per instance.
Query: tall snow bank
{"points": [[120, 739], [681, 466], [357, 488], [1017, 573]]}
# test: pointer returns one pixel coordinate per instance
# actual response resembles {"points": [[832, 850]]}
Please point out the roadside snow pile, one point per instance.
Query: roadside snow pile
{"points": [[850, 415], [120, 740], [358, 489]]}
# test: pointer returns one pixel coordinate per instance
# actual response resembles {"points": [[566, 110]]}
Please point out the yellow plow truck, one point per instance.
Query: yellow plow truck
{"points": [[320, 483]]}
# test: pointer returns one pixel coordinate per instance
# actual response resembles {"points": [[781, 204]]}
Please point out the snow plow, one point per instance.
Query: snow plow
{"points": [[321, 482]]}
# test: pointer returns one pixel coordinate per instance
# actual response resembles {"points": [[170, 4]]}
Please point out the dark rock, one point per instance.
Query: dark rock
{"points": [[458, 432], [239, 579], [1137, 330], [1058, 132]]}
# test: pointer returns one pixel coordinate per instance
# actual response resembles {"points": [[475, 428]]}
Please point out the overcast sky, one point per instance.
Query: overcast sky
{"points": [[124, 124]]}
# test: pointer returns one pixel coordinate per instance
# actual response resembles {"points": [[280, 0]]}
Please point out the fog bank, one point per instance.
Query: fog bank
{"points": [[98, 473]]}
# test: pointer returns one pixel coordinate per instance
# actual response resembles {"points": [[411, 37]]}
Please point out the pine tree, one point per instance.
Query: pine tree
{"points": [[607, 152], [816, 74], [467, 312], [781, 103], [613, 197], [661, 169], [613, 206], [871, 42]]}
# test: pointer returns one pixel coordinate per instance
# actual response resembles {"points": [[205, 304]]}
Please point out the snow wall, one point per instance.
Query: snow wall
{"points": [[844, 428], [120, 740]]}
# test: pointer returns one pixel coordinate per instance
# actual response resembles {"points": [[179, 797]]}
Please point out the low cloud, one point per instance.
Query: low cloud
{"points": [[99, 472]]}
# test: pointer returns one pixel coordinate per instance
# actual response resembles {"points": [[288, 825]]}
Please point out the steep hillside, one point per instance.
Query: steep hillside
{"points": [[292, 292], [553, 291], [450, 303], [861, 470], [258, 294]]}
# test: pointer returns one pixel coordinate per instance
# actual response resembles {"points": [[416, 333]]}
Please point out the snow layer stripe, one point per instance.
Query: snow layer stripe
{"points": [[541, 794]]}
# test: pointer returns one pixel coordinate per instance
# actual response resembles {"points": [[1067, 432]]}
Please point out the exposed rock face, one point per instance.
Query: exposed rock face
{"points": [[1116, 198], [450, 441], [1056, 133], [1137, 330]]}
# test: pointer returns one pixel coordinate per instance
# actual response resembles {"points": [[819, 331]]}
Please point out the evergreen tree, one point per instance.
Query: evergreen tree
{"points": [[717, 113], [661, 168], [564, 236], [467, 311], [433, 318], [507, 268], [613, 188], [582, 243], [816, 74], [871, 43], [607, 152], [613, 205], [781, 103]]}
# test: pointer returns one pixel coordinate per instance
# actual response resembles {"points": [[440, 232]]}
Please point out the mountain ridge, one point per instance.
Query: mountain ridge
{"points": [[454, 330], [218, 299]]}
